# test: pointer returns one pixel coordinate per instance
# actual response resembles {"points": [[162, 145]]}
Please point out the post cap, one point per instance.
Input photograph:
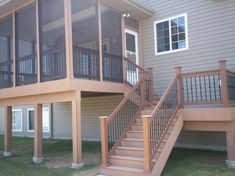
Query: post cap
{"points": [[178, 68], [146, 116], [222, 61], [103, 117]]}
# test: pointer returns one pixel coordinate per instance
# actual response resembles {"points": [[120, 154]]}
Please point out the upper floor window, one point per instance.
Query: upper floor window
{"points": [[171, 35]]}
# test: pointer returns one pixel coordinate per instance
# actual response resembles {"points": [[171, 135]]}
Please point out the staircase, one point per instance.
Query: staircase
{"points": [[128, 157], [138, 137]]}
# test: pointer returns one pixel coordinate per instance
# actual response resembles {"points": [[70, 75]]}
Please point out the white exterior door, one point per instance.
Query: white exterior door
{"points": [[132, 53]]}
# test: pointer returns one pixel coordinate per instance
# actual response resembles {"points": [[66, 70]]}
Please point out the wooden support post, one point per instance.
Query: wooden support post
{"points": [[147, 144], [230, 137], [68, 39], [38, 27], [38, 134], [14, 50], [151, 87], [104, 140], [223, 75], [76, 131], [124, 63], [143, 88], [8, 132], [98, 11], [179, 86]]}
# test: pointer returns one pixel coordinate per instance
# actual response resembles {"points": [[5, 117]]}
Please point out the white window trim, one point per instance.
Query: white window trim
{"points": [[49, 129], [21, 120], [30, 109], [186, 35]]}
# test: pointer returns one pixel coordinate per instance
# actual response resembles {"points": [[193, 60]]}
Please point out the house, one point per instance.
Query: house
{"points": [[158, 74]]}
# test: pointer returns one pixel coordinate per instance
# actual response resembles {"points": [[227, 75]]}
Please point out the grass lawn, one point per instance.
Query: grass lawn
{"points": [[58, 159]]}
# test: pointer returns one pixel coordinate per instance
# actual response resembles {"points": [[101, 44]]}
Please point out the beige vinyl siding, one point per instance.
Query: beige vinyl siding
{"points": [[211, 32], [91, 108], [24, 131]]}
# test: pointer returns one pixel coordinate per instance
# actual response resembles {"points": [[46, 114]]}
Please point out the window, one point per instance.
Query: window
{"points": [[171, 35], [17, 120], [30, 114], [45, 120]]}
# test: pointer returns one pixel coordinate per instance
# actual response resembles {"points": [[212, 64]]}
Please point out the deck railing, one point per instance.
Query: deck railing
{"points": [[202, 87], [53, 64], [112, 68], [215, 86], [231, 85], [6, 74], [86, 63], [26, 70]]}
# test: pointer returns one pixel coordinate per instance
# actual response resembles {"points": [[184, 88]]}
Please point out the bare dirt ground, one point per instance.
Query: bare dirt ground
{"points": [[91, 164]]}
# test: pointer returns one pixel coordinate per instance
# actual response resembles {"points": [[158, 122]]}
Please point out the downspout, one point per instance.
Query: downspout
{"points": [[52, 120]]}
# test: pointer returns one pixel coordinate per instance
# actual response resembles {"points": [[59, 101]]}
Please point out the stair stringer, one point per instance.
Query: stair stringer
{"points": [[166, 151]]}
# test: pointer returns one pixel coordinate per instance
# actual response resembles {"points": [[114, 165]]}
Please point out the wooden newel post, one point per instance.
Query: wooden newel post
{"points": [[224, 84], [104, 140], [143, 88], [147, 144], [151, 88], [179, 86]]}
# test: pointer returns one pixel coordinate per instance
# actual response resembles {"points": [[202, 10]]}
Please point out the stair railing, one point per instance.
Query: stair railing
{"points": [[115, 126], [157, 124], [215, 86], [133, 73]]}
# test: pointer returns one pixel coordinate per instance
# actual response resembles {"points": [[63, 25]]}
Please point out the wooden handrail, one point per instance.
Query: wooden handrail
{"points": [[52, 50], [112, 115], [137, 66], [201, 73], [29, 57], [6, 63], [86, 49], [161, 101], [230, 73]]}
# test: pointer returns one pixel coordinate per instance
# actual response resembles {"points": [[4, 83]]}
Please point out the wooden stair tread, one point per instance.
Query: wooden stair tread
{"points": [[138, 123], [134, 131], [126, 169], [127, 158], [133, 139], [130, 148]]}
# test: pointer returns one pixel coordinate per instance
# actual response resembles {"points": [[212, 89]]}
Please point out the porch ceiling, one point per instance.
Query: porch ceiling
{"points": [[11, 5], [135, 9]]}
